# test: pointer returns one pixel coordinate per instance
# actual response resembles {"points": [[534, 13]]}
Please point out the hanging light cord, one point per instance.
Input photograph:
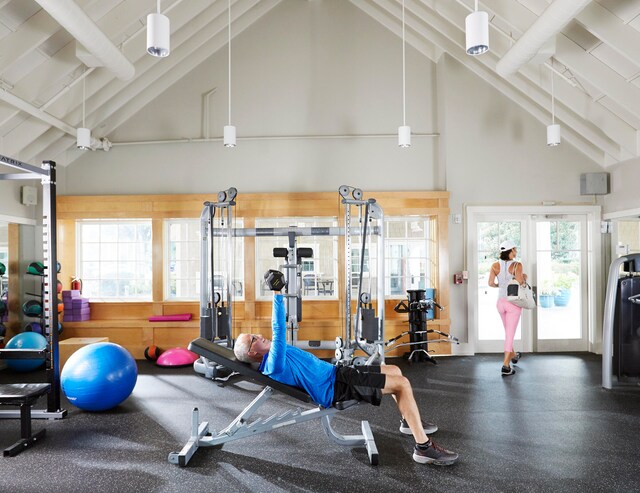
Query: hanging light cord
{"points": [[404, 121], [158, 6], [229, 26], [476, 5], [553, 105], [83, 99]]}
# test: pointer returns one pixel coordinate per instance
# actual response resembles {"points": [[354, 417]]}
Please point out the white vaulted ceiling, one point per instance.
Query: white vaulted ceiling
{"points": [[596, 62]]}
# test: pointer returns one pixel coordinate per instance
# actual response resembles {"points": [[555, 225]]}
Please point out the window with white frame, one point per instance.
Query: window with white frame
{"points": [[411, 255], [114, 259], [182, 269], [319, 277]]}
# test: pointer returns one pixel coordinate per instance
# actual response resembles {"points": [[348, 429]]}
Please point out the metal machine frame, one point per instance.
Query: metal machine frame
{"points": [[609, 314], [47, 176], [215, 307]]}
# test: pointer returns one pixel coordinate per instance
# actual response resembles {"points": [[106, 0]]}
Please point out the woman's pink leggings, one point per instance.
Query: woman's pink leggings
{"points": [[510, 315]]}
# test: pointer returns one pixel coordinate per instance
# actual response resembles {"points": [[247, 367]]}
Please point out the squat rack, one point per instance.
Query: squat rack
{"points": [[47, 176]]}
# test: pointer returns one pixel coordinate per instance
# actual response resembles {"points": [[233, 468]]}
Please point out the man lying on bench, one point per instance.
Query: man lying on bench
{"points": [[327, 384]]}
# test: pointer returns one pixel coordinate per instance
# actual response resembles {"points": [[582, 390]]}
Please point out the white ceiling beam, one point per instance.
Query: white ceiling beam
{"points": [[533, 97], [68, 53], [191, 46], [31, 34], [598, 74], [550, 23], [451, 41], [81, 27], [419, 43], [135, 49], [610, 29], [23, 105], [64, 66], [209, 37], [613, 125]]}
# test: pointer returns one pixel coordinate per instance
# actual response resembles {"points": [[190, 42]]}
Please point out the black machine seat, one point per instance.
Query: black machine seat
{"points": [[23, 395], [225, 357]]}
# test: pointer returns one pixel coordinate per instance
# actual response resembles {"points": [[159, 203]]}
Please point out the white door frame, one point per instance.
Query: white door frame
{"points": [[595, 293]]}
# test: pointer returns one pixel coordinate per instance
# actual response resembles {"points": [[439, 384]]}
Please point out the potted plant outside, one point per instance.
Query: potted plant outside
{"points": [[564, 283], [547, 294]]}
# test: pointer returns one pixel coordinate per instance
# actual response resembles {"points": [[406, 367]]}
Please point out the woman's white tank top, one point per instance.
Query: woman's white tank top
{"points": [[504, 277]]}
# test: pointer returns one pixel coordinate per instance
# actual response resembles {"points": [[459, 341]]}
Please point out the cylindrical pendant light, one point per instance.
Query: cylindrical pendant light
{"points": [[477, 32], [83, 136], [158, 34], [553, 130], [229, 132], [404, 136], [229, 136], [553, 135], [404, 131]]}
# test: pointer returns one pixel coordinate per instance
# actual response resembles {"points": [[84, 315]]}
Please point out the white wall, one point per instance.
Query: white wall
{"points": [[305, 69], [625, 187], [10, 204]]}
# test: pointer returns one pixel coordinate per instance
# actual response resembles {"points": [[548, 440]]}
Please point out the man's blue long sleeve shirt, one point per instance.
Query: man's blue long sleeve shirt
{"points": [[293, 366]]}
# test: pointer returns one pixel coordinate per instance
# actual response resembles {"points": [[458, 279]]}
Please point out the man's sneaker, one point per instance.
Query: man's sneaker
{"points": [[507, 370], [516, 358], [429, 428], [434, 454]]}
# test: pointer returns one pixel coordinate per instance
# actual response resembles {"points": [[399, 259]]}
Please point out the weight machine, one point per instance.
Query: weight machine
{"points": [[621, 340], [22, 394], [364, 332]]}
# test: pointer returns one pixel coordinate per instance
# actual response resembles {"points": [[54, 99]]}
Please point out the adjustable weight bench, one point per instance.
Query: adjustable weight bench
{"points": [[240, 427], [23, 395]]}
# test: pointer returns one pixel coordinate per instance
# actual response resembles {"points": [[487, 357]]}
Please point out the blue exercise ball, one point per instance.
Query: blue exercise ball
{"points": [[26, 340], [99, 376]]}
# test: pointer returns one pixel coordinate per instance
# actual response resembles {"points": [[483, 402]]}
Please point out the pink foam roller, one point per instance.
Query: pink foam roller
{"points": [[177, 356]]}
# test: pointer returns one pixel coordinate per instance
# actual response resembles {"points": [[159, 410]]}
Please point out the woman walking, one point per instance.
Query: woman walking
{"points": [[500, 274]]}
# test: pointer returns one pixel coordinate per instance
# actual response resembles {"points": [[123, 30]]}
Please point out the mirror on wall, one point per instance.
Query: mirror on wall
{"points": [[4, 275], [17, 250]]}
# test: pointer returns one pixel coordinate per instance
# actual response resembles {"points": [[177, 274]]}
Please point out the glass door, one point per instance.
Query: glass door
{"points": [[553, 250], [561, 280]]}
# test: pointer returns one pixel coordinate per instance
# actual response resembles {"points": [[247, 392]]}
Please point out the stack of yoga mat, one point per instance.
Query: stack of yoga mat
{"points": [[76, 308]]}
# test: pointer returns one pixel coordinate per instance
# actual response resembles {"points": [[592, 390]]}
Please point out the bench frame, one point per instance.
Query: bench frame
{"points": [[24, 396], [242, 427]]}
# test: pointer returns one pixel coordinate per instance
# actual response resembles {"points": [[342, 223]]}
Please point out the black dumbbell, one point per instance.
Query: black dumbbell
{"points": [[274, 280]]}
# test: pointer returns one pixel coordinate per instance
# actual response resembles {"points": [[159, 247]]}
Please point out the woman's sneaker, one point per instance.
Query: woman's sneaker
{"points": [[433, 454], [429, 428], [507, 370], [516, 358]]}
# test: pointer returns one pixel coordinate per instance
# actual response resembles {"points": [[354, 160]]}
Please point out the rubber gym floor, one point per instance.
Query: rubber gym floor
{"points": [[550, 427]]}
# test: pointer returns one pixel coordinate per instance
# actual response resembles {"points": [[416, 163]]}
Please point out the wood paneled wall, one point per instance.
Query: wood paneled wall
{"points": [[127, 323]]}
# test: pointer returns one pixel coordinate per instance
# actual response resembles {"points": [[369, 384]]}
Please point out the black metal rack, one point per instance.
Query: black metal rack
{"points": [[47, 176]]}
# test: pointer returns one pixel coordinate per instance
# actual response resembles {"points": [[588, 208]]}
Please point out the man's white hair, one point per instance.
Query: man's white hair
{"points": [[240, 349]]}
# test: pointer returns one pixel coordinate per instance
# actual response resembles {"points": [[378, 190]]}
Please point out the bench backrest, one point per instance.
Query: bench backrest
{"points": [[225, 357]]}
